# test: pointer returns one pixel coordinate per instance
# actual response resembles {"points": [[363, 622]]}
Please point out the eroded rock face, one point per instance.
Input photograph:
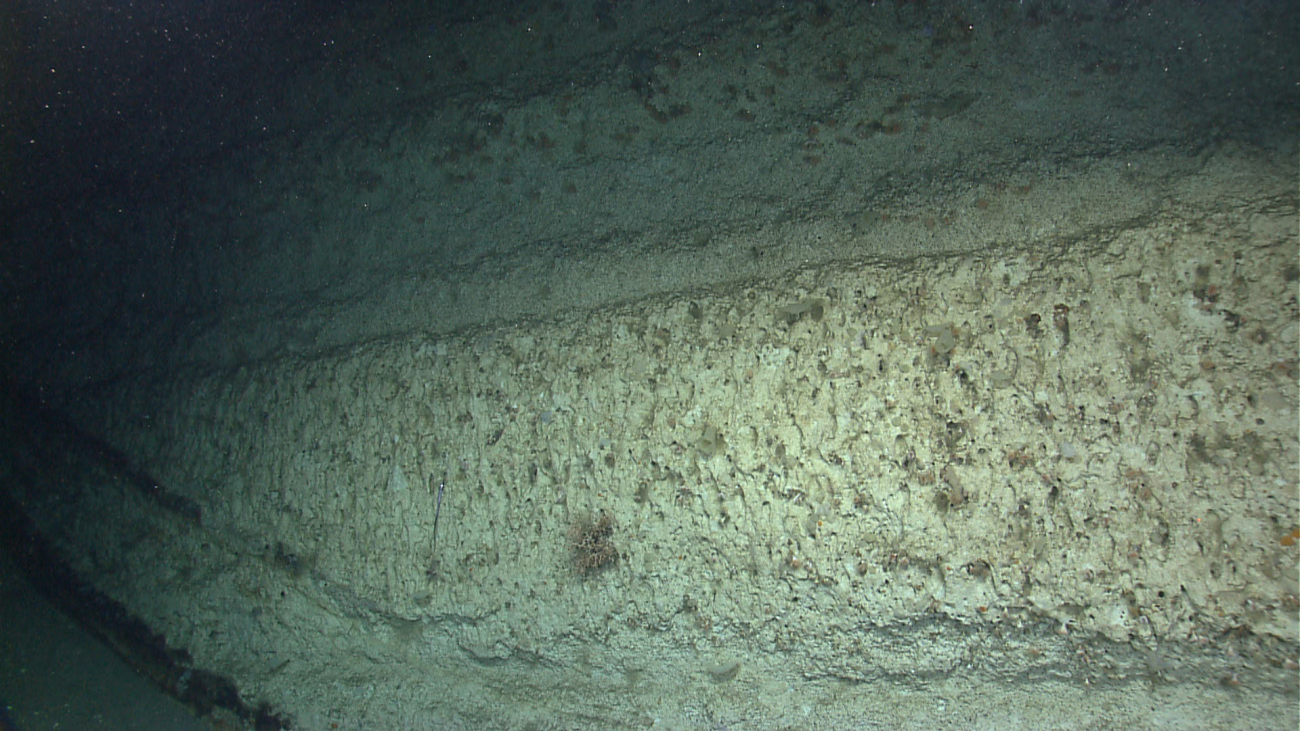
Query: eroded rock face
{"points": [[827, 370]]}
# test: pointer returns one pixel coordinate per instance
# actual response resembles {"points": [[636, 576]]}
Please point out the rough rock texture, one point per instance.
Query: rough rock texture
{"points": [[909, 491]]}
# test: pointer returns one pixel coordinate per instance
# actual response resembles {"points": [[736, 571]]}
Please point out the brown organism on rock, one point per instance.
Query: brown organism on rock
{"points": [[590, 542]]}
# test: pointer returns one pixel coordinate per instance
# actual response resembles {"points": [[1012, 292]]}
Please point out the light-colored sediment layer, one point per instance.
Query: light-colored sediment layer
{"points": [[976, 491]]}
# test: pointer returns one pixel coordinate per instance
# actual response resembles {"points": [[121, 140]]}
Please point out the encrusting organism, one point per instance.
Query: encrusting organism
{"points": [[590, 541]]}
